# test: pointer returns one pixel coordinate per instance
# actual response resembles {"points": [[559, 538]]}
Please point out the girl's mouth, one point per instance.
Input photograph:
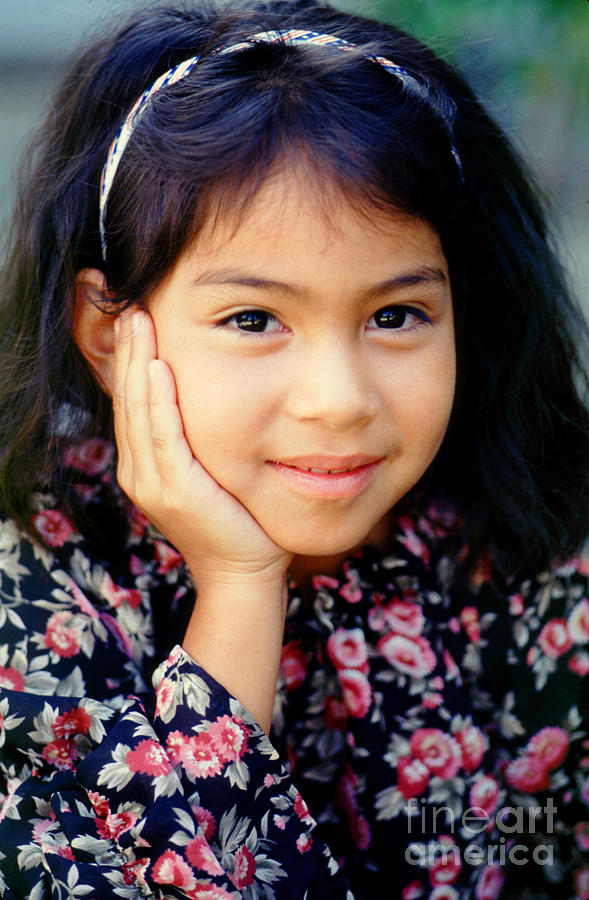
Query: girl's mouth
{"points": [[328, 478]]}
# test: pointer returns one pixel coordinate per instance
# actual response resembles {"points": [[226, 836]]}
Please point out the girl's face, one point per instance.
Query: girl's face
{"points": [[314, 359]]}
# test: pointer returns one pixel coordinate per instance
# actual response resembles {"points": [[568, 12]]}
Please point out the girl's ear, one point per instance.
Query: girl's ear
{"points": [[93, 327]]}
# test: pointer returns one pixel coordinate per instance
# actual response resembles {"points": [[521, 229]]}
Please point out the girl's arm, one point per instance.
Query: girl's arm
{"points": [[236, 628]]}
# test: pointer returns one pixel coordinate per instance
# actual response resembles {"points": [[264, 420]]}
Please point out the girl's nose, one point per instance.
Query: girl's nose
{"points": [[333, 385]]}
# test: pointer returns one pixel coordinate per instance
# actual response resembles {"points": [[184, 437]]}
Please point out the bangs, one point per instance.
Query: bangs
{"points": [[207, 145]]}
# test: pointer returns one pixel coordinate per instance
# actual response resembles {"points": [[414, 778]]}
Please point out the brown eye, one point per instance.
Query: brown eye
{"points": [[390, 317], [398, 318], [251, 320]]}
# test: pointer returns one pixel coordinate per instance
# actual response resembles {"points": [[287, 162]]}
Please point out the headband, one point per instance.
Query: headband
{"points": [[291, 38]]}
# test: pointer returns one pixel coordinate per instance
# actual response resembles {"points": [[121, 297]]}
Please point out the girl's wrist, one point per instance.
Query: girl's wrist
{"points": [[235, 633]]}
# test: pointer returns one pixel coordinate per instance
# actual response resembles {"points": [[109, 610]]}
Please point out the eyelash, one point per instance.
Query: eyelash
{"points": [[265, 318]]}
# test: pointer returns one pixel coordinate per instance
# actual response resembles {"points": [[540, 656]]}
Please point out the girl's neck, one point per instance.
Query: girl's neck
{"points": [[303, 568]]}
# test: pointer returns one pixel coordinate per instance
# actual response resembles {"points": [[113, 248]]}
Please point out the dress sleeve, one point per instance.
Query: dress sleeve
{"points": [[115, 788]]}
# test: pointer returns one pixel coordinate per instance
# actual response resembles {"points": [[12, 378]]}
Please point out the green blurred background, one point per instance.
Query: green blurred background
{"points": [[528, 59]]}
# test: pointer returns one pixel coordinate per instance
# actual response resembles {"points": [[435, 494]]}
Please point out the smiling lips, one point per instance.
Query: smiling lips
{"points": [[328, 477]]}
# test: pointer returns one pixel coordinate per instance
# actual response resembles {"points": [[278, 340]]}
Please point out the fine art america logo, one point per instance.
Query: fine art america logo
{"points": [[510, 821]]}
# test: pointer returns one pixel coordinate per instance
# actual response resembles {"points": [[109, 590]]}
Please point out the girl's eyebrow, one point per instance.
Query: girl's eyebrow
{"points": [[425, 275]]}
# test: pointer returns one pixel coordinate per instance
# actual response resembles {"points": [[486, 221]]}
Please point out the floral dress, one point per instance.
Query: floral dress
{"points": [[429, 742]]}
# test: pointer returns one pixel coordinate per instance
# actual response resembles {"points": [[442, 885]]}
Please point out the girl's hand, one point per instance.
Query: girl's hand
{"points": [[236, 627], [219, 539]]}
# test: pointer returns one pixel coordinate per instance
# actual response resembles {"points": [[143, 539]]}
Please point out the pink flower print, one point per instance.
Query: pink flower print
{"points": [[164, 696], [61, 754], [346, 649], [82, 601], [346, 790], [443, 892], [484, 794], [326, 581], [554, 639], [356, 692], [532, 655], [582, 883], [134, 872], [175, 654], [42, 826], [114, 825], [53, 527], [473, 744], [302, 810], [353, 594], [582, 835], [149, 758], [294, 665], [469, 618], [413, 656], [450, 663], [490, 883], [412, 891], [404, 617], [139, 524], [171, 869], [410, 540], [92, 456], [413, 776], [61, 638], [244, 868], [200, 855], [578, 622], [431, 700], [280, 822], [516, 604], [99, 803], [579, 663], [229, 738], [436, 750], [71, 722], [199, 758], [206, 891], [175, 744], [11, 679], [447, 867], [360, 831], [527, 773], [550, 745], [167, 557], [304, 843], [206, 821], [335, 714], [116, 595]]}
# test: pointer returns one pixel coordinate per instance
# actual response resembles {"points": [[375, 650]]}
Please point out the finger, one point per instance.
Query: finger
{"points": [[180, 472], [122, 350], [173, 455], [142, 350]]}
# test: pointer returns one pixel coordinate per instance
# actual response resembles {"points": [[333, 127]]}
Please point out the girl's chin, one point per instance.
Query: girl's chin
{"points": [[325, 546]]}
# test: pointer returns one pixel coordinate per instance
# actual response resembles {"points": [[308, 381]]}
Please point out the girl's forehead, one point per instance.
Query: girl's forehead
{"points": [[288, 197]]}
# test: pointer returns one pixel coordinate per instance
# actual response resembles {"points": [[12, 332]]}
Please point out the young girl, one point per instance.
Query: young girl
{"points": [[291, 252]]}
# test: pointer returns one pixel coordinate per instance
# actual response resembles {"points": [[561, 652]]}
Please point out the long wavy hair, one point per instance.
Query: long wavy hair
{"points": [[516, 454]]}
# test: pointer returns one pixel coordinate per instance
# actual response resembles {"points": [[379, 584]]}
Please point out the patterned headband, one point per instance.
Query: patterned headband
{"points": [[297, 36]]}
